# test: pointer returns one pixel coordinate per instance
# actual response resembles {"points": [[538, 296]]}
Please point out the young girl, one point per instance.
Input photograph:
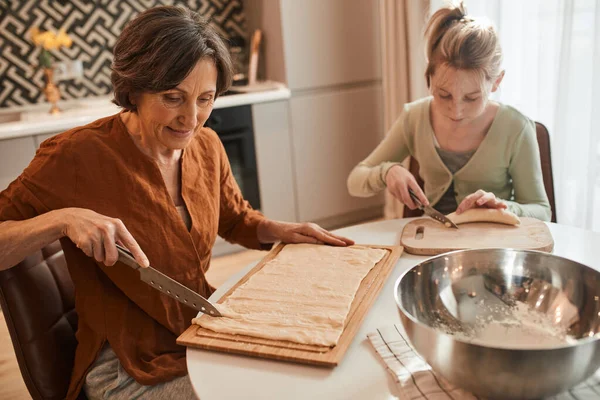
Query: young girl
{"points": [[473, 152]]}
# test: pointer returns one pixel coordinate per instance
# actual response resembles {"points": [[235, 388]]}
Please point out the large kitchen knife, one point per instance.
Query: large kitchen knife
{"points": [[432, 212], [168, 286]]}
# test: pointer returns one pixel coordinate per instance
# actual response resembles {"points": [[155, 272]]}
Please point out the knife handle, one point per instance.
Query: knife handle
{"points": [[126, 257], [414, 197]]}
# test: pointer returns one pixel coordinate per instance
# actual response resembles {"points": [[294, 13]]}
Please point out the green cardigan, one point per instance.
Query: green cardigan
{"points": [[506, 163]]}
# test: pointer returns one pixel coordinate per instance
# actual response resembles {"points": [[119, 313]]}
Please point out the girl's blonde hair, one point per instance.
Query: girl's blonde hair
{"points": [[454, 38]]}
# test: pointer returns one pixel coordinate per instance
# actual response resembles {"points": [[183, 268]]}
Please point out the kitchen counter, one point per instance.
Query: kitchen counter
{"points": [[35, 119]]}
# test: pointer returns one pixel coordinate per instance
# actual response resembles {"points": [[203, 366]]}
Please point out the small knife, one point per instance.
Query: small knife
{"points": [[432, 212], [168, 286]]}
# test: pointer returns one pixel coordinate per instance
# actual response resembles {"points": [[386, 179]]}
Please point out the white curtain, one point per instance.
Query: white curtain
{"points": [[552, 62], [402, 24]]}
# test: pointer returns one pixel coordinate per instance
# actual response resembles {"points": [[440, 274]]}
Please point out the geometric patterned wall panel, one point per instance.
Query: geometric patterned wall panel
{"points": [[93, 25]]}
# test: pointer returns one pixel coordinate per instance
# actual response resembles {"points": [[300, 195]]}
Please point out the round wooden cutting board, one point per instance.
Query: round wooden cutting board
{"points": [[428, 237]]}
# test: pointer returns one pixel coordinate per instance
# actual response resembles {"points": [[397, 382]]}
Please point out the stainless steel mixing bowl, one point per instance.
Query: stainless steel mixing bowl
{"points": [[452, 291]]}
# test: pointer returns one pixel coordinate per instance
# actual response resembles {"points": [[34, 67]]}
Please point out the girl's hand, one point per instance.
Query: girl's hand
{"points": [[96, 235], [398, 180], [289, 232], [480, 199]]}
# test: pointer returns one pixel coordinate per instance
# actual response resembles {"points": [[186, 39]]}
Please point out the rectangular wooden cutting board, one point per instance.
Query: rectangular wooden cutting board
{"points": [[427, 237], [196, 336]]}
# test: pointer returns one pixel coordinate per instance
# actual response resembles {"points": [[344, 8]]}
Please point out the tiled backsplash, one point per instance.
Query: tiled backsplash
{"points": [[94, 26]]}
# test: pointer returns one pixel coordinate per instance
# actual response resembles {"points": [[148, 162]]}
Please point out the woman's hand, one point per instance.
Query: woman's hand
{"points": [[96, 235], [289, 232], [398, 181], [480, 199]]}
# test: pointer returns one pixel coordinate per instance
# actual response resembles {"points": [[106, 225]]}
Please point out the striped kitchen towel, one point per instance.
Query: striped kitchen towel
{"points": [[416, 380]]}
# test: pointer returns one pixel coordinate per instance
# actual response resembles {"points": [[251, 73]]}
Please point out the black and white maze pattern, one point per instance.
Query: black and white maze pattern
{"points": [[94, 26]]}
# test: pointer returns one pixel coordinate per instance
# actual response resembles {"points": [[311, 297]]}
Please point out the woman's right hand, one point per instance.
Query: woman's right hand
{"points": [[96, 235], [398, 181]]}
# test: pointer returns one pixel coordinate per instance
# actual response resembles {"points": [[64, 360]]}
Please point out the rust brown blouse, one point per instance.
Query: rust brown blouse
{"points": [[99, 167]]}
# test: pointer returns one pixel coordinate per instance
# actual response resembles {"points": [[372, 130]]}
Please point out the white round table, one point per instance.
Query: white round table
{"points": [[360, 375]]}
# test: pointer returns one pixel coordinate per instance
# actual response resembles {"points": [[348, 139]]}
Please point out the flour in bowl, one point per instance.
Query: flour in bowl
{"points": [[519, 327]]}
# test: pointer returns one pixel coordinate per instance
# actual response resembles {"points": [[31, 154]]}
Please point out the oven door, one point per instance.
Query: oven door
{"points": [[234, 127]]}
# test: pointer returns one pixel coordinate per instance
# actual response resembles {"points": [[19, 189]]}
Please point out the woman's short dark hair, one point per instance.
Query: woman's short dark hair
{"points": [[160, 47]]}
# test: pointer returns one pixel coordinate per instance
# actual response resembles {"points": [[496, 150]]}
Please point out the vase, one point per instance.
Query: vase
{"points": [[51, 91]]}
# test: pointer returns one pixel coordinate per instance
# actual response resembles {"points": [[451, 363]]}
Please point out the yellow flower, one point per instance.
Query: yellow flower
{"points": [[63, 39], [35, 34], [49, 40]]}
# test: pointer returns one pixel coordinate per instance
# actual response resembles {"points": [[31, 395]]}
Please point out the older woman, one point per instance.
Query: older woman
{"points": [[153, 179]]}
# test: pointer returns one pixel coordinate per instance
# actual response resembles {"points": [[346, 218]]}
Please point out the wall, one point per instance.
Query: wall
{"points": [[94, 27]]}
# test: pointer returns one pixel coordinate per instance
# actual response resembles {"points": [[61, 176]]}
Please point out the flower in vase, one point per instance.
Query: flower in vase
{"points": [[49, 40]]}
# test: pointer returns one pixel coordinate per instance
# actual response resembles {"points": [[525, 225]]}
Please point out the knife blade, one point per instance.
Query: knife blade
{"points": [[432, 212], [168, 286]]}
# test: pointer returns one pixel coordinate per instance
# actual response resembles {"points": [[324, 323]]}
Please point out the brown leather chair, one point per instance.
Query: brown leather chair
{"points": [[543, 139], [37, 299]]}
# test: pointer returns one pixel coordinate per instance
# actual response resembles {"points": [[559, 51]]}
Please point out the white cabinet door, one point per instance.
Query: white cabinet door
{"points": [[273, 158], [15, 155], [332, 132], [330, 42]]}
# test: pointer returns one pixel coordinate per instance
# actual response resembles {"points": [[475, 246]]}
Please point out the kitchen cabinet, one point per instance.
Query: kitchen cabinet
{"points": [[272, 145], [15, 155], [333, 131], [272, 138], [328, 53], [317, 43], [328, 43]]}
